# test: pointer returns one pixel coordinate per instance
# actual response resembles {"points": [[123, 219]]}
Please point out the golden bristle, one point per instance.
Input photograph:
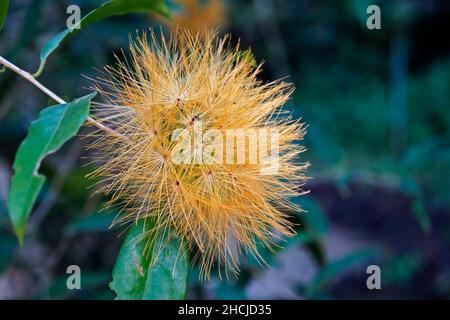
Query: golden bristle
{"points": [[219, 209]]}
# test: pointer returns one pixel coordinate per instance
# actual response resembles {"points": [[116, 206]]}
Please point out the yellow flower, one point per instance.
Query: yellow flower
{"points": [[198, 15], [221, 195]]}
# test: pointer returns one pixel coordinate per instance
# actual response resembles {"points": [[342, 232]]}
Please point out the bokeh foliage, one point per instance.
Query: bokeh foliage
{"points": [[377, 108]]}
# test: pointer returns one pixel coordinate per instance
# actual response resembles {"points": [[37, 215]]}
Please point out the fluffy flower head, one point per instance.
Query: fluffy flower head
{"points": [[175, 103]]}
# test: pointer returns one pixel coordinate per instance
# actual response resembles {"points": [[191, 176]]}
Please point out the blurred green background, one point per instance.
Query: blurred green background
{"points": [[377, 105]]}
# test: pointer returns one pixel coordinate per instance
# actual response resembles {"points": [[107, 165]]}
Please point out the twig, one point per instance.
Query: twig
{"points": [[52, 95]]}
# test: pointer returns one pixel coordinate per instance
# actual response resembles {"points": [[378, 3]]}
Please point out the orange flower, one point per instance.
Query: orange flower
{"points": [[218, 204]]}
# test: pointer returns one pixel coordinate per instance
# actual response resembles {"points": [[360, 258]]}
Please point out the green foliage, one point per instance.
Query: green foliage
{"points": [[55, 125], [4, 4], [106, 10], [334, 268], [95, 222], [48, 133], [155, 267], [8, 246], [90, 281], [314, 218], [76, 187], [358, 8], [400, 269], [412, 188], [343, 77]]}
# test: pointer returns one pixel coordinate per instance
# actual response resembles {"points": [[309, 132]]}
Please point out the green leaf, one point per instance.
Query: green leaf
{"points": [[152, 268], [55, 125], [4, 4], [106, 10]]}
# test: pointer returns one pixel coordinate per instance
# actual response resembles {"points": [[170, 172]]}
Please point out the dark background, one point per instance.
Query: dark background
{"points": [[377, 105]]}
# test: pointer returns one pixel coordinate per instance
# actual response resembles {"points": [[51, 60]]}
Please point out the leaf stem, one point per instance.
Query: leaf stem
{"points": [[52, 95]]}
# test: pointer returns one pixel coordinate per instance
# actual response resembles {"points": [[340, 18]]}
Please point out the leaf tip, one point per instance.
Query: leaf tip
{"points": [[20, 234]]}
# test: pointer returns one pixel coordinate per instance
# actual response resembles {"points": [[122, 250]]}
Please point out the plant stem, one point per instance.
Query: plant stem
{"points": [[52, 95]]}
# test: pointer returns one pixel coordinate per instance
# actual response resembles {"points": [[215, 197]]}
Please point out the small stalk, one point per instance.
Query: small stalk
{"points": [[52, 95]]}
